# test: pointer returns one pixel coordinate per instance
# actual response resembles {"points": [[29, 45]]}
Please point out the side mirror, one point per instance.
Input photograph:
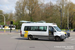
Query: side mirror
{"points": [[54, 31]]}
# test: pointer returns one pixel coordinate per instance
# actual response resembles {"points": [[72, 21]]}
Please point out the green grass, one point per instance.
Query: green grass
{"points": [[63, 29], [66, 29]]}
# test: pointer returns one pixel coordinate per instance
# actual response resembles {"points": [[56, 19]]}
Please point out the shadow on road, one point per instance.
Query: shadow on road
{"points": [[21, 38], [37, 40]]}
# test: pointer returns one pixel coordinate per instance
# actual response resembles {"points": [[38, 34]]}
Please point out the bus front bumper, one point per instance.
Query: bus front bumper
{"points": [[63, 37], [67, 35]]}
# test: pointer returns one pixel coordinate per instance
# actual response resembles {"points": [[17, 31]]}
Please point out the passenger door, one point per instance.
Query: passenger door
{"points": [[51, 32]]}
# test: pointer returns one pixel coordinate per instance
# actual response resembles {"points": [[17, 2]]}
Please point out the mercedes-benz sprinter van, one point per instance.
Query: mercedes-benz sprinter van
{"points": [[43, 31]]}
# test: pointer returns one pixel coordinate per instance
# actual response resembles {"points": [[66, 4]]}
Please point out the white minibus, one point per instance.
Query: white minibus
{"points": [[43, 31]]}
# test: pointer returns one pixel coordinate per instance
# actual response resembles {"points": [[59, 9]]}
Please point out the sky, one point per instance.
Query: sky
{"points": [[8, 6]]}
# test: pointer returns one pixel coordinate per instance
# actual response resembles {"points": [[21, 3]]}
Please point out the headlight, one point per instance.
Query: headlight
{"points": [[65, 32]]}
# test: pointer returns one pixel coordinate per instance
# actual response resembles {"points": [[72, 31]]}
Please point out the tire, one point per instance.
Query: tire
{"points": [[57, 39], [30, 37], [62, 40], [36, 38]]}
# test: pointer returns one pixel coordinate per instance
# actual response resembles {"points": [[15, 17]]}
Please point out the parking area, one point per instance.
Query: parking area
{"points": [[13, 41]]}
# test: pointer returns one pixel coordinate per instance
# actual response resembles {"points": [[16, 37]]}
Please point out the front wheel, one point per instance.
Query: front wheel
{"points": [[57, 39], [62, 40]]}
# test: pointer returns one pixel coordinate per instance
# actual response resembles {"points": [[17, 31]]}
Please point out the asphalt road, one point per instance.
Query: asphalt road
{"points": [[8, 31], [13, 41]]}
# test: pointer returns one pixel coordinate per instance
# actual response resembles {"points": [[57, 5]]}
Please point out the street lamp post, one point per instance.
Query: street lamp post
{"points": [[68, 15], [61, 18], [4, 18]]}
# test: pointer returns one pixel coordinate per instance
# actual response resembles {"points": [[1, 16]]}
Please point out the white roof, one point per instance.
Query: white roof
{"points": [[26, 21], [33, 22], [39, 24]]}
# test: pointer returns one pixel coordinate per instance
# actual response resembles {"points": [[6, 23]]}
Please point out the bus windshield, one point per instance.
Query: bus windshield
{"points": [[57, 28]]}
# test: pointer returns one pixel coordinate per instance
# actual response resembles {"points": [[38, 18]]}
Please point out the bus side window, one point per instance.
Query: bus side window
{"points": [[26, 28], [34, 28], [42, 28], [29, 28], [45, 28]]}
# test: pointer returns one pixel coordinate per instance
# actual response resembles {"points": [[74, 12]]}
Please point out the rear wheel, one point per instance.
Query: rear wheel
{"points": [[30, 37], [36, 38]]}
